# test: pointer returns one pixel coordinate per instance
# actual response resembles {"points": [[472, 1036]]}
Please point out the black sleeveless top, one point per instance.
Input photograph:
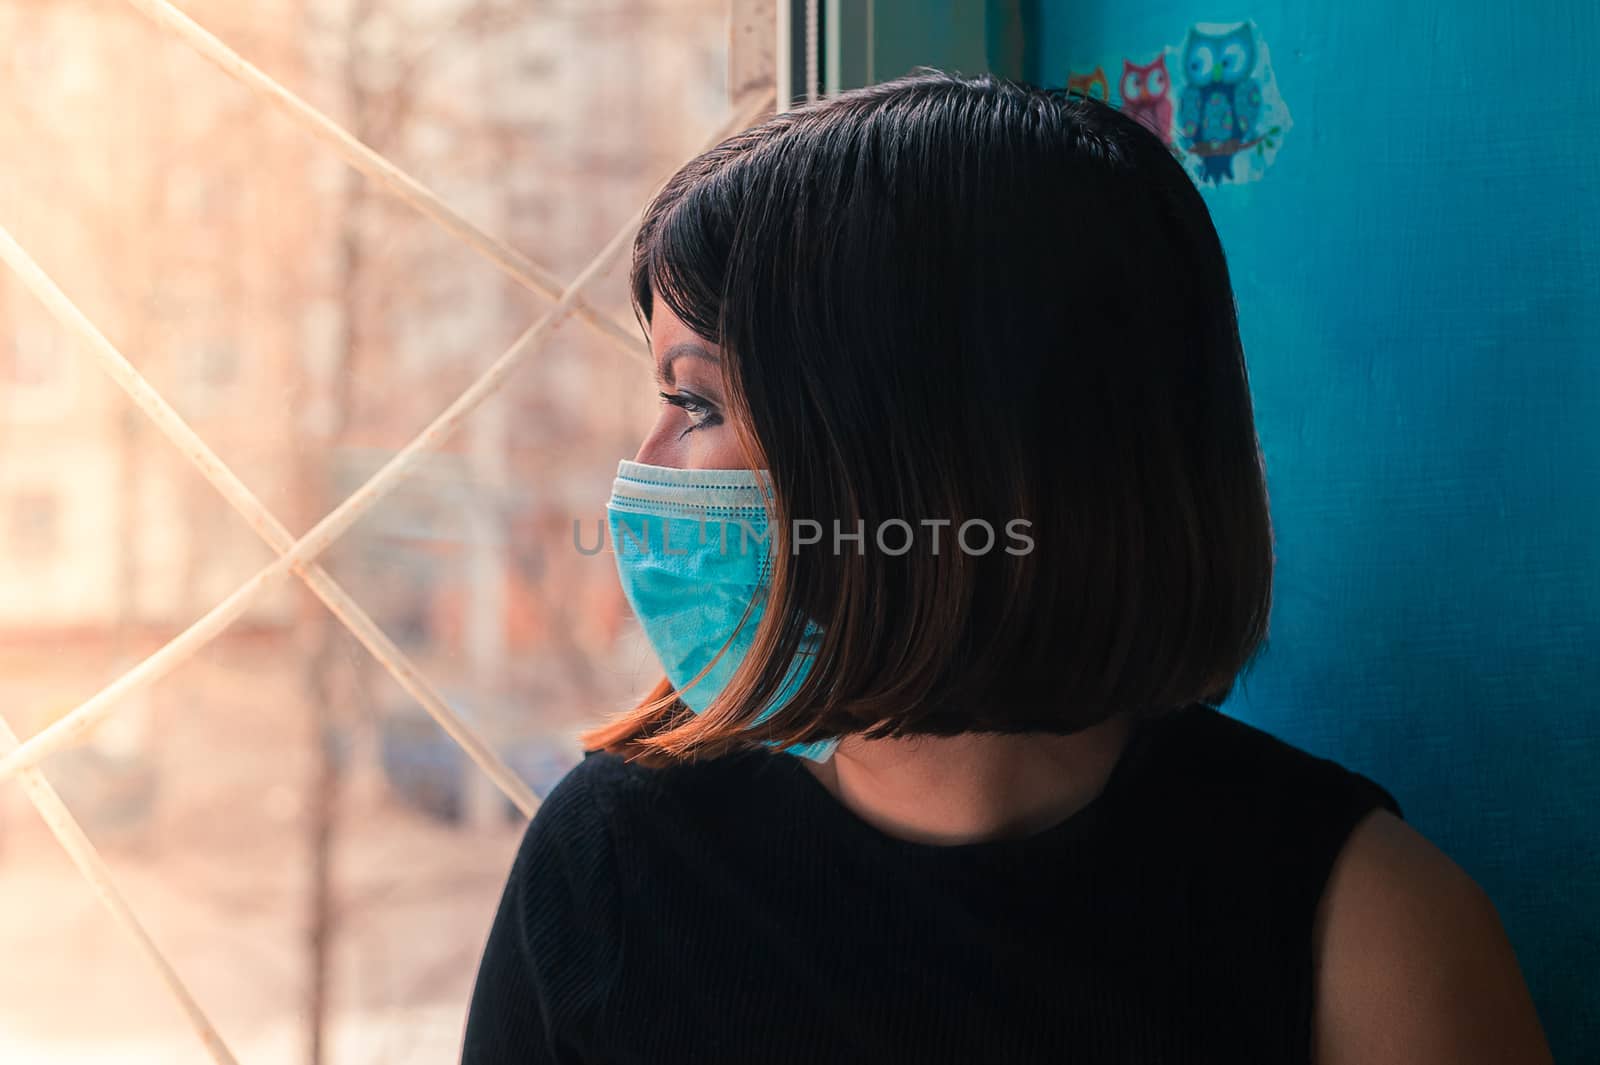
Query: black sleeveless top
{"points": [[734, 911]]}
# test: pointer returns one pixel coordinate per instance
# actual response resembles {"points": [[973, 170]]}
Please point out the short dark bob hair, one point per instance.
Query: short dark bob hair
{"points": [[949, 298]]}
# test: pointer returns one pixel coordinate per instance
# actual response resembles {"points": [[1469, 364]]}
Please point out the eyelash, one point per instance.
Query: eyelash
{"points": [[694, 407]]}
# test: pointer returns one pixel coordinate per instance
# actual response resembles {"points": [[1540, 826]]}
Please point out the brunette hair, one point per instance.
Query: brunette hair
{"points": [[947, 299]]}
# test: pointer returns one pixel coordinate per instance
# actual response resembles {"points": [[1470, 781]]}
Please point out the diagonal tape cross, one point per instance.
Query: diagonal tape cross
{"points": [[298, 554]]}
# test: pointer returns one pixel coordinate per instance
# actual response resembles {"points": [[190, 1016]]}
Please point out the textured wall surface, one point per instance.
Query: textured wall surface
{"points": [[1418, 277]]}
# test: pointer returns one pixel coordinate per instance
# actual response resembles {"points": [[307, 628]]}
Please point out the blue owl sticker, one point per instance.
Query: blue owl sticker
{"points": [[1231, 118]]}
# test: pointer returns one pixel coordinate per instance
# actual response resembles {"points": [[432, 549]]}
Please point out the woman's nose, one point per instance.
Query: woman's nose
{"points": [[660, 447]]}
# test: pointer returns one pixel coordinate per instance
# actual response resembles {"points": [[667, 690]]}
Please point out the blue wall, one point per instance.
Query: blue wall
{"points": [[1418, 277]]}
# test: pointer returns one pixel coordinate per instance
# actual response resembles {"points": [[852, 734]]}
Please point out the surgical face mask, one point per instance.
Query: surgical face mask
{"points": [[692, 549]]}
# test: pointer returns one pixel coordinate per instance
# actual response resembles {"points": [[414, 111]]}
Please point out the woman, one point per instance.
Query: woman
{"points": [[951, 533]]}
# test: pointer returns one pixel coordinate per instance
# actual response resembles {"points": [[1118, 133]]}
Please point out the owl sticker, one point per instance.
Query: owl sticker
{"points": [[1093, 85], [1213, 100], [1145, 96], [1229, 108]]}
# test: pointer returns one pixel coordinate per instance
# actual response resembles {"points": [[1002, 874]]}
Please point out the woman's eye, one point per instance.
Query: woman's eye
{"points": [[701, 414]]}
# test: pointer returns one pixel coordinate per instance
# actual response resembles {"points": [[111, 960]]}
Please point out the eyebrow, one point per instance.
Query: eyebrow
{"points": [[684, 350]]}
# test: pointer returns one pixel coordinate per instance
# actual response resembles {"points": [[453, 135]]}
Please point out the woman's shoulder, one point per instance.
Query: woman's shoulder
{"points": [[606, 799], [1253, 823], [1225, 772], [1412, 963], [609, 783], [581, 877], [592, 828]]}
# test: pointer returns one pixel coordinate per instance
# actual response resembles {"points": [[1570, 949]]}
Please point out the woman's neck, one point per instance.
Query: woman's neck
{"points": [[949, 790]]}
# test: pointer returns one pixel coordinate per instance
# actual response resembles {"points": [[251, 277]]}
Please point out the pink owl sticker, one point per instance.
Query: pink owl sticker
{"points": [[1146, 95]]}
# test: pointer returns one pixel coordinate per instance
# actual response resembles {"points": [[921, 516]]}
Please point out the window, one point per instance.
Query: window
{"points": [[298, 810]]}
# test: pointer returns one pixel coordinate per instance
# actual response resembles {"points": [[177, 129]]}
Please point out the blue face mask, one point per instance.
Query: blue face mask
{"points": [[692, 552]]}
